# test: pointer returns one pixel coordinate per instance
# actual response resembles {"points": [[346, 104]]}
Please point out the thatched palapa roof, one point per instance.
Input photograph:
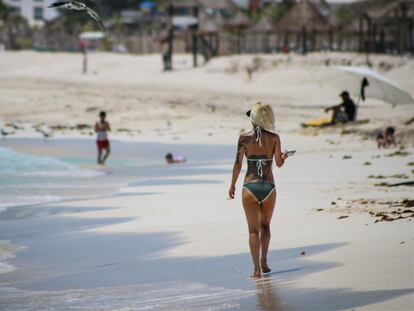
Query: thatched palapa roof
{"points": [[219, 4], [303, 14], [262, 26], [208, 27], [238, 20], [389, 10], [209, 4]]}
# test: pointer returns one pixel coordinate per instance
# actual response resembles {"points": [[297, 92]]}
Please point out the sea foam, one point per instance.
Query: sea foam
{"points": [[156, 296], [7, 251]]}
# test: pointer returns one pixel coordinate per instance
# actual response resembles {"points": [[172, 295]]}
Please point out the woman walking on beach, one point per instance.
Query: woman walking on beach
{"points": [[260, 146]]}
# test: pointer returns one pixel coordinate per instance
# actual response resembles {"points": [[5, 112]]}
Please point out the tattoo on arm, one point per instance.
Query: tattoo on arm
{"points": [[239, 152]]}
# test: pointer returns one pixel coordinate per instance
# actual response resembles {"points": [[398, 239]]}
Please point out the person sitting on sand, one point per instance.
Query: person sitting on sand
{"points": [[387, 138], [170, 159], [260, 146], [102, 128], [345, 111]]}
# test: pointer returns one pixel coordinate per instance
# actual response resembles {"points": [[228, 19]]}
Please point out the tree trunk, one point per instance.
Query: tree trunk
{"points": [[374, 46], [304, 41], [361, 34], [398, 32], [405, 28], [266, 42], [217, 44], [195, 37], [331, 39], [411, 35], [368, 44], [314, 39], [169, 54], [286, 42], [382, 41]]}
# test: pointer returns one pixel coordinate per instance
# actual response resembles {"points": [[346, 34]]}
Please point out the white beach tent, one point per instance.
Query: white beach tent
{"points": [[92, 35], [184, 21], [380, 87]]}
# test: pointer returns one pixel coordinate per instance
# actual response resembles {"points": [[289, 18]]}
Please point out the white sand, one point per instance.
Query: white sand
{"points": [[207, 105], [191, 105]]}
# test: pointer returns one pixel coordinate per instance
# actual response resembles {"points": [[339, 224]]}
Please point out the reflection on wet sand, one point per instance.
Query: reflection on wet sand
{"points": [[274, 293], [267, 295]]}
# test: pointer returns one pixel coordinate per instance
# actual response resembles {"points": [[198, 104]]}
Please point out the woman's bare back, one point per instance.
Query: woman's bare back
{"points": [[258, 150]]}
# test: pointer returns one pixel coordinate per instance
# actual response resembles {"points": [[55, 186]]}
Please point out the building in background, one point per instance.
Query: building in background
{"points": [[35, 11]]}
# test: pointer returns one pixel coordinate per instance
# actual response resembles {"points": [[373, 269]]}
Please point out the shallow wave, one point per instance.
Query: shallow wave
{"points": [[5, 268], [7, 251], [17, 164], [14, 200], [155, 296], [27, 179]]}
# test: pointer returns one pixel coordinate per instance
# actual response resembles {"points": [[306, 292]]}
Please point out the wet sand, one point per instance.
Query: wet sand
{"points": [[119, 271]]}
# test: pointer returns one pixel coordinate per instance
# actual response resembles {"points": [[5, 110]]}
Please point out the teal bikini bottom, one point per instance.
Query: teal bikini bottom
{"points": [[260, 190]]}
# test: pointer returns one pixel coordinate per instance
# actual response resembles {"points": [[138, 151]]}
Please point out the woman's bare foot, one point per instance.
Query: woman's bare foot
{"points": [[256, 273], [265, 268]]}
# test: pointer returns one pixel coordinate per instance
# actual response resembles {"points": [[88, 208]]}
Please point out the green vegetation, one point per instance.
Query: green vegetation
{"points": [[4, 10], [276, 11], [345, 14]]}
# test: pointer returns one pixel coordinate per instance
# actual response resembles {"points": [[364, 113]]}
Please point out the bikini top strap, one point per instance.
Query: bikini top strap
{"points": [[260, 163], [258, 131]]}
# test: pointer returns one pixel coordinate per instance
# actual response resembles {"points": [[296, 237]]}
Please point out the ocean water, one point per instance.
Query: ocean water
{"points": [[28, 179]]}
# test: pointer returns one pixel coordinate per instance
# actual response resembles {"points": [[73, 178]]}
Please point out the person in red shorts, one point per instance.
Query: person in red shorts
{"points": [[102, 128]]}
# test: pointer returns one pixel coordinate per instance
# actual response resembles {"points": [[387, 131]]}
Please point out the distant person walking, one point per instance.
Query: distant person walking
{"points": [[260, 146], [102, 128], [345, 111]]}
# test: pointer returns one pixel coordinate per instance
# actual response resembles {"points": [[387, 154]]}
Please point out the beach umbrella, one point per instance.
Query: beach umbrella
{"points": [[364, 82], [147, 6]]}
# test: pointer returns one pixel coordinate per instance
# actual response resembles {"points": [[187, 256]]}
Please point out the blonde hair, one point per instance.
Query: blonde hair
{"points": [[262, 116]]}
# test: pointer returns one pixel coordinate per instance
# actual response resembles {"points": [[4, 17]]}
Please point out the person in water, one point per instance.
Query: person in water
{"points": [[170, 159], [102, 128], [260, 146], [345, 111]]}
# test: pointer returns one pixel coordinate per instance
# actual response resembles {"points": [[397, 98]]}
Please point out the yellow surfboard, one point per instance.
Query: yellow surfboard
{"points": [[318, 122], [325, 121]]}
